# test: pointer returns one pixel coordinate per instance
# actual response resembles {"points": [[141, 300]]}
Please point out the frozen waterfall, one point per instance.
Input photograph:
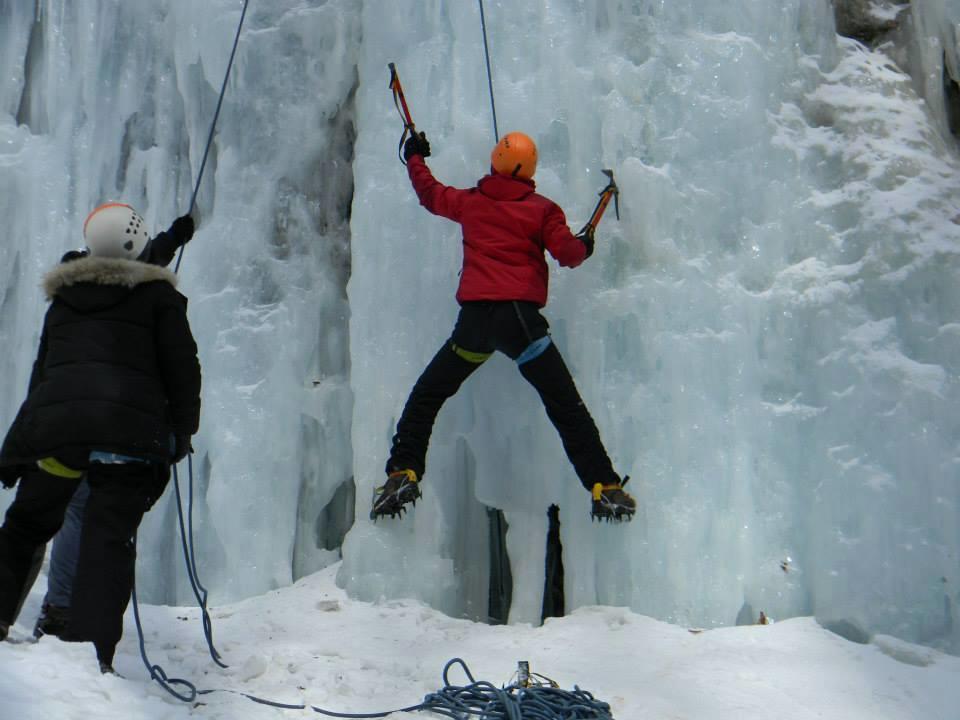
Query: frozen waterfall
{"points": [[768, 340]]}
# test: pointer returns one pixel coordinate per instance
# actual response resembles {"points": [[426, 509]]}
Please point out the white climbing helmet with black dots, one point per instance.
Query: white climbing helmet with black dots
{"points": [[115, 230]]}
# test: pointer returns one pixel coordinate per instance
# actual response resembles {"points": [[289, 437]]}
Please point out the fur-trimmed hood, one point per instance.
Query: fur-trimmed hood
{"points": [[103, 271], [96, 282]]}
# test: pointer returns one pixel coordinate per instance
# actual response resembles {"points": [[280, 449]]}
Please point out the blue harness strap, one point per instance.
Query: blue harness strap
{"points": [[534, 350]]}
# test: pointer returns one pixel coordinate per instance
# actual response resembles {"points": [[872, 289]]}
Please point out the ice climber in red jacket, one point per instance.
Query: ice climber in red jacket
{"points": [[507, 227]]}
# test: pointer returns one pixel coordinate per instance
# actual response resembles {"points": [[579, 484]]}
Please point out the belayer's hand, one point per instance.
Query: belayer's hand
{"points": [[9, 476], [72, 255], [182, 229], [182, 446], [417, 144], [586, 237]]}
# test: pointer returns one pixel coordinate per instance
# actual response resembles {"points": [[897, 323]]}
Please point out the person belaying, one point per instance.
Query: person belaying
{"points": [[55, 608], [507, 226], [114, 398]]}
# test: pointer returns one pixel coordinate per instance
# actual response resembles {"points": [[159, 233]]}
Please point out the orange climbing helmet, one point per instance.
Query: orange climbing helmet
{"points": [[515, 155]]}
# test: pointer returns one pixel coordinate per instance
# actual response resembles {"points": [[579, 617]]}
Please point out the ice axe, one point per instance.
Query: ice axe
{"points": [[401, 102], [610, 191]]}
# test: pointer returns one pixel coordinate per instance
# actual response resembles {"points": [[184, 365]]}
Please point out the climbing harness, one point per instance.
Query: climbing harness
{"points": [[213, 124], [610, 191], [534, 350], [401, 103], [486, 52]]}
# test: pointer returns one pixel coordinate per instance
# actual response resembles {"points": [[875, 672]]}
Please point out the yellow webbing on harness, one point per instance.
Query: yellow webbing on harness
{"points": [[469, 355], [52, 466]]}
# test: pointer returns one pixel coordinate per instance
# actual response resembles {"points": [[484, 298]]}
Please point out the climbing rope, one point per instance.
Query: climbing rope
{"points": [[186, 536], [186, 529], [481, 699], [156, 672], [190, 556], [519, 701], [213, 125], [200, 592], [486, 52]]}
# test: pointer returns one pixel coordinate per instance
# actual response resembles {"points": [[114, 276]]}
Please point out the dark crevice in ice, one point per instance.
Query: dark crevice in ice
{"points": [[863, 21], [500, 594], [336, 518], [27, 112], [553, 599]]}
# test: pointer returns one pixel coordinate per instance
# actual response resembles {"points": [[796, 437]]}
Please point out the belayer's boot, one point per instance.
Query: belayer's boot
{"points": [[402, 487], [105, 652], [612, 502], [53, 620]]}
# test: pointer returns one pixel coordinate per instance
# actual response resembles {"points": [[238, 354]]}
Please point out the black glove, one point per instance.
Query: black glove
{"points": [[417, 144], [182, 446], [586, 237], [182, 229], [9, 476], [72, 255]]}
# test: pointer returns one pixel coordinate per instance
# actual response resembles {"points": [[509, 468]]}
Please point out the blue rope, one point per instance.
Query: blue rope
{"points": [[479, 698], [186, 537], [190, 556], [156, 672], [486, 52], [485, 701], [213, 125]]}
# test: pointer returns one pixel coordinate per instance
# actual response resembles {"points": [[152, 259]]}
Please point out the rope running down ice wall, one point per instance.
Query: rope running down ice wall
{"points": [[186, 529]]}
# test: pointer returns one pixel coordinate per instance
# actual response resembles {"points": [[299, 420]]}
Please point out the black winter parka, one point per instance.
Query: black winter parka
{"points": [[116, 371]]}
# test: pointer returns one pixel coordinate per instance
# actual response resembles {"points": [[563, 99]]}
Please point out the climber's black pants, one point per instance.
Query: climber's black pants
{"points": [[518, 330]]}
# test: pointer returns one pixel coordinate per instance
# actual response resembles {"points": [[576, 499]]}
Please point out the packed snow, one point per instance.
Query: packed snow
{"points": [[311, 644]]}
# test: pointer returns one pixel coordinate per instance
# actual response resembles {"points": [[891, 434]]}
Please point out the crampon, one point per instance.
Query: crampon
{"points": [[612, 503], [390, 498]]}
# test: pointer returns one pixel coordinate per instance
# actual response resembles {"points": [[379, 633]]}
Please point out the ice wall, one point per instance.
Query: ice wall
{"points": [[767, 339], [113, 100]]}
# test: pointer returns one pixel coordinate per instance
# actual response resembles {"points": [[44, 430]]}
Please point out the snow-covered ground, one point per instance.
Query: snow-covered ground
{"points": [[311, 644]]}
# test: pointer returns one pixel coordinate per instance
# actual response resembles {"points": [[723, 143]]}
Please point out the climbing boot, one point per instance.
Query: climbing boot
{"points": [[402, 487], [612, 503], [53, 620], [4, 629]]}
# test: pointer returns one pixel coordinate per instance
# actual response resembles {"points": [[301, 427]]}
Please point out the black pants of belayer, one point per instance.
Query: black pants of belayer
{"points": [[119, 496], [518, 330]]}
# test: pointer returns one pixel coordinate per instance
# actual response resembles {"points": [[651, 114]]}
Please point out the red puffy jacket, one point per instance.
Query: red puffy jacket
{"points": [[506, 228]]}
